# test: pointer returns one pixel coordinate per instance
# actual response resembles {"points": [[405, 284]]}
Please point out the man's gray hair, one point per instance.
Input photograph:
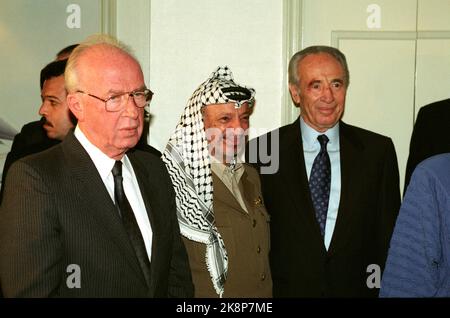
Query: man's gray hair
{"points": [[70, 74], [317, 49]]}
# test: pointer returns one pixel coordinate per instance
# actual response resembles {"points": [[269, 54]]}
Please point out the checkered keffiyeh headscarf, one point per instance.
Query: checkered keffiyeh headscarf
{"points": [[187, 159]]}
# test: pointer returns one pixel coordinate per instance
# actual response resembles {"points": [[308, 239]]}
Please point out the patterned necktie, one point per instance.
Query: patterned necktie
{"points": [[320, 182], [129, 221]]}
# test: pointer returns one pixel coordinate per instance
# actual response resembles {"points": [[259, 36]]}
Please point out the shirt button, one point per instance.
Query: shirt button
{"points": [[263, 276], [258, 250], [254, 222]]}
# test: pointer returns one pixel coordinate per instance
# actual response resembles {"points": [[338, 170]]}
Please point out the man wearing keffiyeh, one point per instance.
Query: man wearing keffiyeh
{"points": [[222, 218]]}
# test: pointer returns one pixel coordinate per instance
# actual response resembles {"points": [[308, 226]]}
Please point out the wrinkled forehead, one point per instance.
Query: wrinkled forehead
{"points": [[320, 67], [320, 62], [108, 64]]}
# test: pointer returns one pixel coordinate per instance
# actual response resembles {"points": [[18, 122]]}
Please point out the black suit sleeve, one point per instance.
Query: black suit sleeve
{"points": [[30, 245], [31, 139], [13, 155], [180, 281], [389, 201], [5, 170]]}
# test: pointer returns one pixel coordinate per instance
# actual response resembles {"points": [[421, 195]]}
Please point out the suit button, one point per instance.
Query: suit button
{"points": [[263, 276], [258, 250], [254, 222]]}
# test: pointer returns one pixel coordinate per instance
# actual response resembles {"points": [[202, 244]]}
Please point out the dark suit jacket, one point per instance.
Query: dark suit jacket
{"points": [[369, 203], [31, 139], [57, 211], [430, 135]]}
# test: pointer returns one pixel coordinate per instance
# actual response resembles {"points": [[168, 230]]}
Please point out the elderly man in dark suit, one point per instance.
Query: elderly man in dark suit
{"points": [[92, 216], [335, 196]]}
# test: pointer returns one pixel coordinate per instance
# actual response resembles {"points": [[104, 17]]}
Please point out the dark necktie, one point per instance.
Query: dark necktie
{"points": [[129, 221], [320, 182]]}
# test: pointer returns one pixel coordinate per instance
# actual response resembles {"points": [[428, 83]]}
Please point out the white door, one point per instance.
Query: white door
{"points": [[395, 66]]}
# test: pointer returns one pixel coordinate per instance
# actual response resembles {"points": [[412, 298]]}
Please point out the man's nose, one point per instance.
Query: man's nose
{"points": [[327, 94], [43, 109], [131, 108], [235, 123]]}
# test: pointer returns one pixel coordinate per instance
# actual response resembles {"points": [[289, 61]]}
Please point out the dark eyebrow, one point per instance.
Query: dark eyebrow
{"points": [[225, 113], [51, 97]]}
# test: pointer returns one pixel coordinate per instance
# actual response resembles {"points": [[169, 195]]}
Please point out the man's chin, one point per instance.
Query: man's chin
{"points": [[50, 134], [227, 156], [129, 143]]}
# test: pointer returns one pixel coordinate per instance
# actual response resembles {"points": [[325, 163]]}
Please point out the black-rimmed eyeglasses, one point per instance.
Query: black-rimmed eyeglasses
{"points": [[117, 102]]}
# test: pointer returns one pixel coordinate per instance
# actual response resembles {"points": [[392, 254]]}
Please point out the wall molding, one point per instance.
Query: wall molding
{"points": [[292, 43], [109, 17], [336, 36]]}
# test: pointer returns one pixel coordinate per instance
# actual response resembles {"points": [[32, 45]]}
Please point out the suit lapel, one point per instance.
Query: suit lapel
{"points": [[293, 171], [143, 179], [92, 192], [352, 181]]}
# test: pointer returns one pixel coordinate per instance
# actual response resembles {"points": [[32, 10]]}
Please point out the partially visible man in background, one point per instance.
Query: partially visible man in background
{"points": [[54, 125], [430, 135]]}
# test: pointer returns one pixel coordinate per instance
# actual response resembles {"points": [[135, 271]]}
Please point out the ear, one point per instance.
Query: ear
{"points": [[295, 95], [75, 106]]}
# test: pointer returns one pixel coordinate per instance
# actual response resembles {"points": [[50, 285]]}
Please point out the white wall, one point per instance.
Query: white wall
{"points": [[190, 38]]}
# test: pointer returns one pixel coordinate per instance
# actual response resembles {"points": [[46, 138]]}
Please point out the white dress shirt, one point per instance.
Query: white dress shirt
{"points": [[311, 148], [104, 165]]}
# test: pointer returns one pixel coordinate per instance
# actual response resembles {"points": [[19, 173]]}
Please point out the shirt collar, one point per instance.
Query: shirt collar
{"points": [[309, 137], [102, 162], [220, 168]]}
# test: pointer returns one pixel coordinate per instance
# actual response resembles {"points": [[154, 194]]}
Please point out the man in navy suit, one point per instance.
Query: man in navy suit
{"points": [[335, 196]]}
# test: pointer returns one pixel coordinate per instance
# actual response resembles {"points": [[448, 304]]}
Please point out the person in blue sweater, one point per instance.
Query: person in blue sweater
{"points": [[418, 263]]}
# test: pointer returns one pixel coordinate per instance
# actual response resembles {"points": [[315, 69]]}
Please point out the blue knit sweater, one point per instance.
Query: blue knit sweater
{"points": [[418, 263]]}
